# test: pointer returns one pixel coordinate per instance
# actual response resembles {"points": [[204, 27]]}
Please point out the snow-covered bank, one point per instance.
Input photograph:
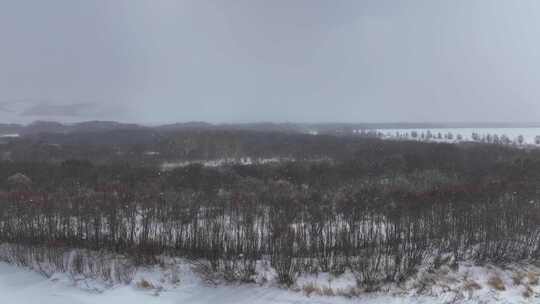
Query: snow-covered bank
{"points": [[467, 284], [22, 286], [47, 275]]}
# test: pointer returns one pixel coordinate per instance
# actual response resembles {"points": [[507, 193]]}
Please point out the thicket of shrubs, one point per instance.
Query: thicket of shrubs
{"points": [[380, 212]]}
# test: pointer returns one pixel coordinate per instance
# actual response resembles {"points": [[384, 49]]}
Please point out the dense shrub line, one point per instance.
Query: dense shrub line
{"points": [[381, 213]]}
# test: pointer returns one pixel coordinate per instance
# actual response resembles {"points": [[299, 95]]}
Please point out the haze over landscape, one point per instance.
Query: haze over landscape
{"points": [[269, 151], [244, 61]]}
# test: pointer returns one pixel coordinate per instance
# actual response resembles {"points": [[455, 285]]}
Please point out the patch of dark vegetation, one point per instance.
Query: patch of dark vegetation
{"points": [[379, 208]]}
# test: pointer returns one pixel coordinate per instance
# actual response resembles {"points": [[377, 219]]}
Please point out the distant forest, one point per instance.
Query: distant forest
{"points": [[327, 203]]}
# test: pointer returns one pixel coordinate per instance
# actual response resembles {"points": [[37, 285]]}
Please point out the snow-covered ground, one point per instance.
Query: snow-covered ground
{"points": [[22, 286], [233, 161], [223, 161], [468, 284], [9, 135]]}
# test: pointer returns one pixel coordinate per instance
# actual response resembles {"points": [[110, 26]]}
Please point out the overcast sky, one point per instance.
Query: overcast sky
{"points": [[274, 60]]}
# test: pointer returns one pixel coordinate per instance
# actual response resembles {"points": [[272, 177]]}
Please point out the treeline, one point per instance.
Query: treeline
{"points": [[428, 135], [148, 147], [380, 213]]}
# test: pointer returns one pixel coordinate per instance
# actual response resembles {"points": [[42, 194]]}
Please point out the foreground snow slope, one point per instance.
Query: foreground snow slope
{"points": [[21, 286]]}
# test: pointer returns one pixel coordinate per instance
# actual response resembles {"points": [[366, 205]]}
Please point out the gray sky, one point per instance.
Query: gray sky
{"points": [[280, 60]]}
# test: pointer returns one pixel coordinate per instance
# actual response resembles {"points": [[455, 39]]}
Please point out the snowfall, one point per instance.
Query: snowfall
{"points": [[468, 284]]}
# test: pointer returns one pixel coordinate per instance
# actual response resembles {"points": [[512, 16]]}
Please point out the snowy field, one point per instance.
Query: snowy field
{"points": [[528, 134]]}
